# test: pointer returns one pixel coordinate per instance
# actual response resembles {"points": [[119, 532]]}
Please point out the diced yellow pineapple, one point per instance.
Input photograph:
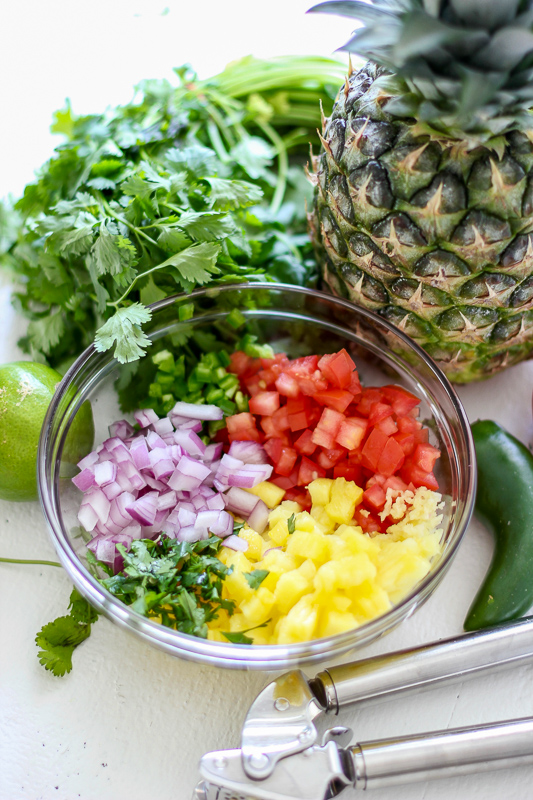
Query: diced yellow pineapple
{"points": [[290, 588], [304, 544], [338, 548], [369, 601], [269, 493], [343, 574], [214, 635], [255, 543], [308, 569], [340, 602], [279, 533], [320, 491], [221, 621], [357, 541], [334, 622], [304, 522], [300, 623], [283, 511], [345, 495], [257, 608], [276, 562]]}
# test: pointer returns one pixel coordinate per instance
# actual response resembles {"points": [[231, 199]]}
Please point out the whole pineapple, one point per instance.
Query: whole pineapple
{"points": [[424, 188]]}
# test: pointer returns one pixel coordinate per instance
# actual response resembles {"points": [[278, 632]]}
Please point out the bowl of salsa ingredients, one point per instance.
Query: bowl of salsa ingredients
{"points": [[283, 477]]}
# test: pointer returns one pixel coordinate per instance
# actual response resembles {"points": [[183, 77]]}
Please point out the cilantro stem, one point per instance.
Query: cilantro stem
{"points": [[116, 303], [125, 222], [30, 561], [283, 165]]}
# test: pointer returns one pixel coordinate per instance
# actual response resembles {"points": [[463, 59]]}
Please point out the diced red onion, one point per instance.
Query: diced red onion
{"points": [[159, 486], [105, 473], [154, 440], [163, 426], [248, 452], [212, 452], [186, 517], [112, 490], [144, 509], [241, 502], [193, 411], [122, 429], [190, 442], [216, 503], [166, 501], [139, 453], [84, 480], [88, 461], [189, 534], [99, 502], [236, 543], [87, 517], [145, 417], [258, 519]]}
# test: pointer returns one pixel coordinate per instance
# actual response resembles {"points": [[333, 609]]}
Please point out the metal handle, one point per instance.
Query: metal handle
{"points": [[442, 754], [438, 662]]}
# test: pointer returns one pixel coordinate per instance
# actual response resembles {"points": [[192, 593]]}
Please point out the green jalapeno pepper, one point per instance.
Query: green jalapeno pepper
{"points": [[504, 503]]}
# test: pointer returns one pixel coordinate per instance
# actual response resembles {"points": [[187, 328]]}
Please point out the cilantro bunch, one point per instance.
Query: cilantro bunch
{"points": [[188, 185]]}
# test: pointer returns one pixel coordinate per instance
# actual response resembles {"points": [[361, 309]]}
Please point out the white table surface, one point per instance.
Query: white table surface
{"points": [[129, 721]]}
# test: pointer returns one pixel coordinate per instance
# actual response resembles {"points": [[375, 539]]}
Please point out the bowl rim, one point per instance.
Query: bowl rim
{"points": [[265, 657]]}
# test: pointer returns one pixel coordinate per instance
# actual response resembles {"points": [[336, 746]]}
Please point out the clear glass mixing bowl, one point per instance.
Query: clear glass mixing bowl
{"points": [[297, 321]]}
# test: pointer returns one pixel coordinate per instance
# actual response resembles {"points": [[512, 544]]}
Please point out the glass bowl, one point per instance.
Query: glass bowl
{"points": [[297, 321]]}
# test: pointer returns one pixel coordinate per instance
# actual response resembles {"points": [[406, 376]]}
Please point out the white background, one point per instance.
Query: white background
{"points": [[130, 722]]}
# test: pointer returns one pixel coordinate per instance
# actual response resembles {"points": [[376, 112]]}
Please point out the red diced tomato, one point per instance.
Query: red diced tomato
{"points": [[268, 377], [425, 456], [278, 358], [323, 438], [310, 386], [369, 522], [264, 403], [352, 432], [421, 436], [395, 483], [253, 385], [303, 367], [374, 497], [351, 472], [328, 458], [337, 368], [303, 498], [400, 399], [241, 428], [355, 384], [379, 411], [239, 362], [285, 482], [368, 397], [413, 474], [406, 442], [338, 399], [372, 449], [330, 421], [309, 471], [286, 461], [376, 478], [287, 385], [391, 458], [268, 427], [280, 419], [273, 447], [387, 426], [408, 425], [304, 444]]}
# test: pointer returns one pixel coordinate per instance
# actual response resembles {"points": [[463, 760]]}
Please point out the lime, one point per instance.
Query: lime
{"points": [[26, 389]]}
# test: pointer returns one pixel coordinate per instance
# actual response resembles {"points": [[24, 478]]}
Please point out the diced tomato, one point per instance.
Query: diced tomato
{"points": [[400, 399], [337, 368], [304, 366], [298, 413], [278, 358], [355, 385], [387, 426], [286, 461], [328, 458], [241, 428], [408, 424], [330, 421], [239, 362], [264, 403], [287, 385], [395, 483], [368, 397], [309, 471], [323, 438], [269, 428], [268, 377], [285, 482], [310, 386], [369, 522], [351, 433], [273, 447], [421, 436], [253, 385], [379, 411], [373, 448], [413, 474], [406, 442], [425, 456], [391, 458], [303, 498], [376, 478], [374, 497], [304, 444], [351, 472], [338, 399], [280, 419]]}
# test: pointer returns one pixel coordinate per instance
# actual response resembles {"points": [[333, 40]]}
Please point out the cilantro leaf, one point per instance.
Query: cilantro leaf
{"points": [[256, 577], [207, 226], [58, 639], [196, 263], [112, 253], [228, 194], [46, 332], [291, 523], [239, 637], [124, 328]]}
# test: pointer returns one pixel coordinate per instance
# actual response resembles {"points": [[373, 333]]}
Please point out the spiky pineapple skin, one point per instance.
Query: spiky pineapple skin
{"points": [[433, 234]]}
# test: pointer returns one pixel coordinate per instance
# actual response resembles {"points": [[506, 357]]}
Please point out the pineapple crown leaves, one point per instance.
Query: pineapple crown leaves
{"points": [[458, 66]]}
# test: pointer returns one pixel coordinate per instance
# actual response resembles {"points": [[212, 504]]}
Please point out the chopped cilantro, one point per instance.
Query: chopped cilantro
{"points": [[256, 577], [291, 523], [58, 639], [239, 637]]}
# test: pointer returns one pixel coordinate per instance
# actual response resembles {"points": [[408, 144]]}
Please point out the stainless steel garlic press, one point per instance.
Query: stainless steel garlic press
{"points": [[290, 751]]}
